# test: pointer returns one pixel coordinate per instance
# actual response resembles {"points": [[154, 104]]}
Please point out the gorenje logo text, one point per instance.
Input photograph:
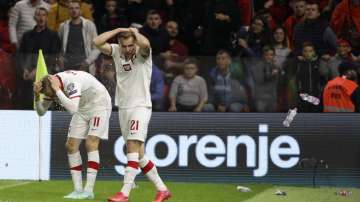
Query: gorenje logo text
{"points": [[257, 157]]}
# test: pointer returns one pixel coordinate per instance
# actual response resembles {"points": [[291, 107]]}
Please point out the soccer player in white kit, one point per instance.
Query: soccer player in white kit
{"points": [[88, 101], [133, 62]]}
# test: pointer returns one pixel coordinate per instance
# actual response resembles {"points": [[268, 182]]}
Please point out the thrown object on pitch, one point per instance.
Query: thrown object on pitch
{"points": [[290, 117], [243, 189], [309, 98], [343, 193], [280, 193]]}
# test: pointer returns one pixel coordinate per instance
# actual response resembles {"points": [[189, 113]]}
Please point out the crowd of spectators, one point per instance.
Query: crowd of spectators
{"points": [[208, 55]]}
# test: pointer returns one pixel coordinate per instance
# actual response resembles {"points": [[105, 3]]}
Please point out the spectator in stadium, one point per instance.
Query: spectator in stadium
{"points": [[175, 57], [7, 81], [343, 54], [268, 18], [51, 2], [113, 18], [246, 11], [157, 89], [165, 8], [293, 20], [345, 21], [158, 36], [188, 92], [325, 5], [21, 19], [76, 36], [316, 31], [221, 18], [251, 42], [280, 43], [225, 93], [59, 13], [40, 37], [242, 80], [265, 74], [282, 51], [136, 11], [279, 10], [91, 5], [32, 41], [190, 16], [107, 77], [177, 48], [5, 43], [342, 94], [133, 62], [311, 77], [88, 101]]}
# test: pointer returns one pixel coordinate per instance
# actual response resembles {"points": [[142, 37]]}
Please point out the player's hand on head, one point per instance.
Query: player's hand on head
{"points": [[55, 83], [37, 87], [133, 30], [123, 30]]}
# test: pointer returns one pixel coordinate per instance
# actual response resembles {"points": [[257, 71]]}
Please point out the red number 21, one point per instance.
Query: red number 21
{"points": [[134, 125]]}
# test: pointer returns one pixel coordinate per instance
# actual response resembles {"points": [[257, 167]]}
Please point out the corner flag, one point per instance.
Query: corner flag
{"points": [[41, 70]]}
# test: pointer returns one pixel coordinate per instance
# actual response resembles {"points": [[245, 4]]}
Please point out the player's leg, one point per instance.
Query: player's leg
{"points": [[123, 119], [98, 129], [148, 168], [93, 165], [138, 130], [75, 164], [130, 122], [77, 130], [131, 170]]}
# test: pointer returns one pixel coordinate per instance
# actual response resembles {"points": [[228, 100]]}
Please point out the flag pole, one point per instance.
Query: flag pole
{"points": [[40, 156], [41, 71]]}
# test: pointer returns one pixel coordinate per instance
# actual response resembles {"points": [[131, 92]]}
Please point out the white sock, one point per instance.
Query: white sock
{"points": [[149, 169], [92, 169], [131, 171], [75, 163]]}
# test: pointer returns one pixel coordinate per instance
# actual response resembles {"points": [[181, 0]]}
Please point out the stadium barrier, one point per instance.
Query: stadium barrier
{"points": [[21, 157], [234, 147], [224, 147]]}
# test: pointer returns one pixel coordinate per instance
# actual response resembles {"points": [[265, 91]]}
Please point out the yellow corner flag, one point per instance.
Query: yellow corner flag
{"points": [[41, 70]]}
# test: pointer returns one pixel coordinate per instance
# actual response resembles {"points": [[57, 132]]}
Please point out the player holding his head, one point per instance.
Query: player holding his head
{"points": [[132, 57], [90, 104]]}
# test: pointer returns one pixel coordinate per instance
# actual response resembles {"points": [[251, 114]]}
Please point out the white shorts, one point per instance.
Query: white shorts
{"points": [[134, 123], [93, 123]]}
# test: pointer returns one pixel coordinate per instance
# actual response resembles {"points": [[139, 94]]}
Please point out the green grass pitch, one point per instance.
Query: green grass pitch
{"points": [[54, 190]]}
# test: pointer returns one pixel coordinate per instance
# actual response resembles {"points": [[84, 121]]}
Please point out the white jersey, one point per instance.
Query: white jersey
{"points": [[133, 79], [93, 95]]}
